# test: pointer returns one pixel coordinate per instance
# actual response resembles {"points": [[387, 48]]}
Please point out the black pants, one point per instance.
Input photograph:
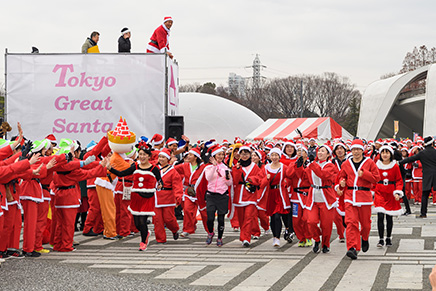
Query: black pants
{"points": [[424, 201], [381, 225], [211, 220], [276, 223], [141, 224]]}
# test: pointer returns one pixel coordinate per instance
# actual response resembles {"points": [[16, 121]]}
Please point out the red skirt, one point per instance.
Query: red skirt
{"points": [[275, 203], [140, 205], [385, 203]]}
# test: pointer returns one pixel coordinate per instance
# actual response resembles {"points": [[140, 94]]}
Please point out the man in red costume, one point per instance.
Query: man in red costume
{"points": [[159, 41]]}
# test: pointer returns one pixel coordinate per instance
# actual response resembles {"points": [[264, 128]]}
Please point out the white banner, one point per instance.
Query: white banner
{"points": [[82, 96], [173, 88]]}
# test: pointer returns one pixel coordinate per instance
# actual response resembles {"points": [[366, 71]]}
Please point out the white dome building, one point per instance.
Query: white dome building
{"points": [[208, 116]]}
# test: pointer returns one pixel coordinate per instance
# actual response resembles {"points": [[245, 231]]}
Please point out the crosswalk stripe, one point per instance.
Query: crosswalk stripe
{"points": [[428, 231], [322, 267], [181, 272], [405, 277], [266, 276], [411, 245], [360, 275], [222, 275], [135, 271]]}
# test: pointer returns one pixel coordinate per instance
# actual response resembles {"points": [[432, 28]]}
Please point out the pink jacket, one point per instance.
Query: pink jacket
{"points": [[216, 178]]}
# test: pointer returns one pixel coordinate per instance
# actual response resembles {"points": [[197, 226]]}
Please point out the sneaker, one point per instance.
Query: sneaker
{"points": [[42, 251], [31, 254], [142, 246], [291, 237], [381, 243], [219, 242], [176, 235], [268, 232], [110, 238], [90, 233], [316, 248], [308, 242], [352, 253], [276, 242], [342, 240], [365, 246], [245, 243], [325, 249], [75, 243], [131, 234], [4, 255], [119, 237], [184, 234], [235, 229], [422, 216], [388, 242], [209, 238], [14, 254], [255, 237], [302, 243], [286, 234]]}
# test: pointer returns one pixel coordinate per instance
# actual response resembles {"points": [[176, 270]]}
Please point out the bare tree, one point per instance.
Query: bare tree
{"points": [[189, 87]]}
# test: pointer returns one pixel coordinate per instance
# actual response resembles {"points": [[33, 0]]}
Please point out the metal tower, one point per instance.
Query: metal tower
{"points": [[257, 78]]}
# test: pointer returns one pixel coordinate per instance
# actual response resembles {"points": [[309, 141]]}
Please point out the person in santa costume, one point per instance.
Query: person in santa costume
{"points": [[212, 189], [278, 203], [146, 178], [191, 171], [339, 153], [427, 157], [321, 200], [417, 176], [388, 192], [167, 198], [356, 179], [300, 190], [257, 157], [65, 185], [94, 221], [159, 41], [157, 143], [247, 177]]}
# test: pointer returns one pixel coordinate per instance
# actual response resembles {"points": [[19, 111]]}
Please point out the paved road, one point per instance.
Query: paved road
{"points": [[189, 264]]}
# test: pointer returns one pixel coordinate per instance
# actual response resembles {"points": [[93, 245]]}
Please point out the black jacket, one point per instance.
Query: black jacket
{"points": [[124, 45], [427, 157]]}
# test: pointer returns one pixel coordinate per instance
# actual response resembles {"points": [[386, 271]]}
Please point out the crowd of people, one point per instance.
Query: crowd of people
{"points": [[295, 188]]}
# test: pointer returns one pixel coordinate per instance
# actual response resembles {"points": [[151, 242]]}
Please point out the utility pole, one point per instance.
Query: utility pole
{"points": [[257, 77]]}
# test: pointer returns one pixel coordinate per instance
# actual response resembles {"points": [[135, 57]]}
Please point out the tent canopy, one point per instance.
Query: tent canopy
{"points": [[319, 128]]}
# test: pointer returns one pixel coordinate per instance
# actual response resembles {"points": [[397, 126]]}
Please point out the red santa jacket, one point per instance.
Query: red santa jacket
{"points": [[159, 41], [66, 187], [322, 176], [250, 174], [172, 188], [390, 179], [358, 189], [417, 171], [189, 177], [300, 184], [277, 177]]}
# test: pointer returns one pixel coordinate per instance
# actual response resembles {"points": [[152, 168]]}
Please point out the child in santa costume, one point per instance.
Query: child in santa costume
{"points": [[146, 177], [190, 172], [278, 203], [247, 177], [321, 200], [388, 192], [417, 176], [356, 179], [167, 198], [212, 189], [300, 190]]}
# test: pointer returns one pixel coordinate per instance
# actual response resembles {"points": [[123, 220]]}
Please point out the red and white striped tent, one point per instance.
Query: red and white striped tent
{"points": [[321, 128]]}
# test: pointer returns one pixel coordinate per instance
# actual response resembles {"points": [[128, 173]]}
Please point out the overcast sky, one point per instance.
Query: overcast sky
{"points": [[359, 39]]}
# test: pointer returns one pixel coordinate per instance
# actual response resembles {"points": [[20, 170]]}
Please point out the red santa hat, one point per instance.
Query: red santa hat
{"points": [[196, 152], [379, 141], [225, 142], [312, 139], [157, 139], [269, 146], [327, 146], [288, 143], [245, 147], [167, 18], [277, 151], [260, 154], [339, 144], [216, 149], [304, 148], [52, 139], [357, 144], [387, 147], [171, 141], [166, 153]]}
